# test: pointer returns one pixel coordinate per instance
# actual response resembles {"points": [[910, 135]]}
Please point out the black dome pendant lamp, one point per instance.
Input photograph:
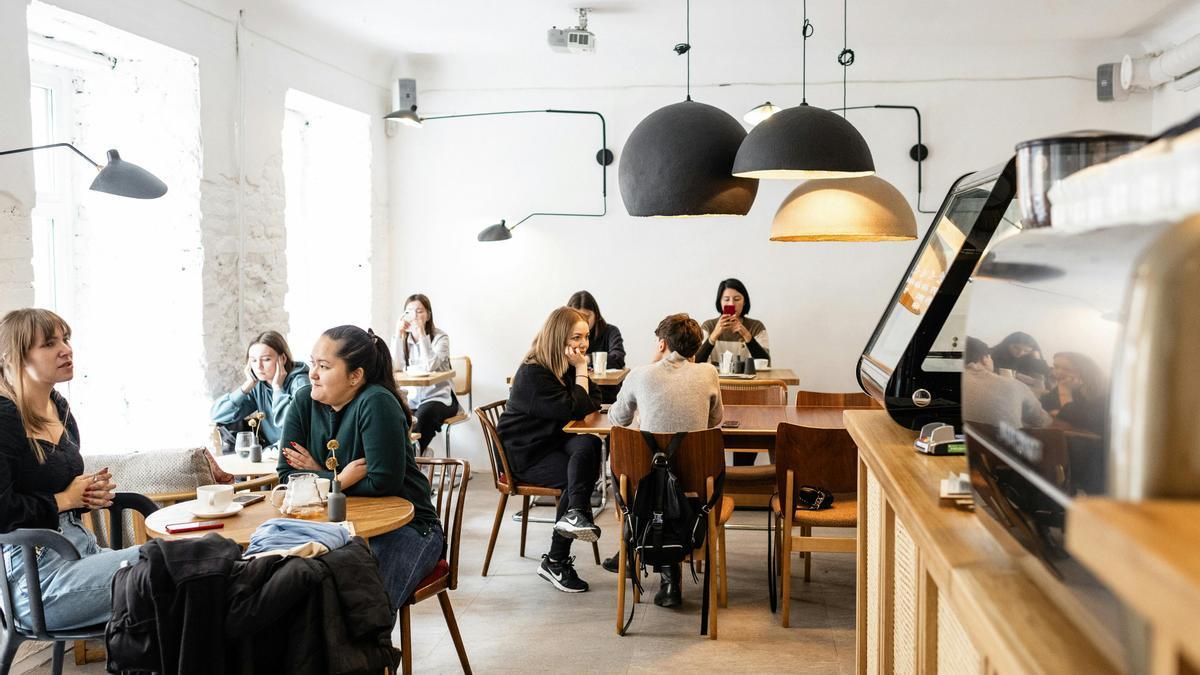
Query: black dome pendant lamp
{"points": [[677, 161], [804, 142]]}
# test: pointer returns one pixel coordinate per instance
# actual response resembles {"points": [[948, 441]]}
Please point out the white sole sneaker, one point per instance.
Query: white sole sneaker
{"points": [[581, 533], [546, 574]]}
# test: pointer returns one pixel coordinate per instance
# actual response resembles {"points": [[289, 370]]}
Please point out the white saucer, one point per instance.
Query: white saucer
{"points": [[198, 512]]}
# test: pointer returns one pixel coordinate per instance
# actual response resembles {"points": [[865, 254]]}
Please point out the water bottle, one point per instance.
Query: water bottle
{"points": [[335, 507]]}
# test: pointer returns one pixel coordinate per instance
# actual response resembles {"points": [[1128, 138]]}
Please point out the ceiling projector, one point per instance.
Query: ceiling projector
{"points": [[577, 40]]}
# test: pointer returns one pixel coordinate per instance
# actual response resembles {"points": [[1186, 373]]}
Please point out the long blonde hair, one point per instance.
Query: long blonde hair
{"points": [[20, 330], [549, 345]]}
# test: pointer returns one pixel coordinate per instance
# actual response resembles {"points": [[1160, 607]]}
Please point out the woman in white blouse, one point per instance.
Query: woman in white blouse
{"points": [[420, 346]]}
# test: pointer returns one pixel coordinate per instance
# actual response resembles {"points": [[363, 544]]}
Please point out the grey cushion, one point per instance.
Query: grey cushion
{"points": [[155, 471]]}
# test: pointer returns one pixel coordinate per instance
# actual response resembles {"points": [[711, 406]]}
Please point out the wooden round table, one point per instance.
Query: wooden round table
{"points": [[371, 516]]}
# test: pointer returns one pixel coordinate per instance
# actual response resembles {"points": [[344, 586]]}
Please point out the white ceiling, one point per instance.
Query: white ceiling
{"points": [[437, 27]]}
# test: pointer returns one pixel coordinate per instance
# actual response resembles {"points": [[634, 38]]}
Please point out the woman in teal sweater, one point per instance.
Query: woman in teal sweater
{"points": [[272, 379], [352, 412]]}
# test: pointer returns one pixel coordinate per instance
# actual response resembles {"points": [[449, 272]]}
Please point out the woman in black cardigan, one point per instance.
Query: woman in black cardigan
{"points": [[602, 337], [551, 389], [42, 483]]}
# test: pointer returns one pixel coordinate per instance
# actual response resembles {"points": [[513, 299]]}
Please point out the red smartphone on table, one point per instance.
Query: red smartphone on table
{"points": [[181, 528], [729, 310]]}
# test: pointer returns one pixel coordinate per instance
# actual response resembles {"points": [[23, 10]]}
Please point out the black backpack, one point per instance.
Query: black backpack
{"points": [[665, 525]]}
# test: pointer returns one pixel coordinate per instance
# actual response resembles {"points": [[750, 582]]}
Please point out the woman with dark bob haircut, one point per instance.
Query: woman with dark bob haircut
{"points": [[602, 337], [733, 330], [352, 414]]}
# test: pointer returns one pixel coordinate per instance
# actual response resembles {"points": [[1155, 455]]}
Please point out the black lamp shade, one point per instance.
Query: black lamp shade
{"points": [[802, 143], [123, 178], [677, 162], [497, 232]]}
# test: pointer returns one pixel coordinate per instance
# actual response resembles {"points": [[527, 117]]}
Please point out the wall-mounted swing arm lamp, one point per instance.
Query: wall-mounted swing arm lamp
{"points": [[919, 152], [118, 177], [501, 231]]}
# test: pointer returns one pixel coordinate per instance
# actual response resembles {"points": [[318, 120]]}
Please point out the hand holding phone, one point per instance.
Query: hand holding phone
{"points": [[729, 310], [181, 528]]}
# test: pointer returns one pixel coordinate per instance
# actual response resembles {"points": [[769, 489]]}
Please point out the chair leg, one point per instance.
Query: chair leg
{"points": [[487, 560], [622, 576], [56, 663], [785, 555], [446, 434], [596, 551], [721, 567], [406, 639], [807, 532], [712, 585], [9, 641], [524, 521], [452, 624]]}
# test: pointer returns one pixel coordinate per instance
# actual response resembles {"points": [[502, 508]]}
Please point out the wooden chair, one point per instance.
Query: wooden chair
{"points": [[461, 365], [698, 461], [846, 401], [27, 543], [506, 485], [753, 484], [444, 475], [826, 458]]}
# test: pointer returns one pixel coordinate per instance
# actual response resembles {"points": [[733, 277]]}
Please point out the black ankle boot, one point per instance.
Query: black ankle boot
{"points": [[669, 592]]}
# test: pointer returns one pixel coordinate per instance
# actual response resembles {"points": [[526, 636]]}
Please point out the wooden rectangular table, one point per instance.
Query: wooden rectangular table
{"points": [[404, 379], [756, 424], [785, 374]]}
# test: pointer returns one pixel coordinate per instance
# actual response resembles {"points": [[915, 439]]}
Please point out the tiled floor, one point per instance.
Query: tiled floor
{"points": [[513, 621]]}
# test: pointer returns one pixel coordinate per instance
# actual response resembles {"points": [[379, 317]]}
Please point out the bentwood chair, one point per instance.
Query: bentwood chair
{"points": [[825, 458], [754, 483], [448, 479], [26, 541], [461, 365], [698, 462], [506, 482]]}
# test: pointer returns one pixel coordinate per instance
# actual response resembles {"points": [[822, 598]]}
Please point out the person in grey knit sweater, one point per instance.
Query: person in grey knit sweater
{"points": [[670, 395]]}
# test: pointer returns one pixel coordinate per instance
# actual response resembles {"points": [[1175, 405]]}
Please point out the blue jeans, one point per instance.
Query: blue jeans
{"points": [[75, 593], [405, 558]]}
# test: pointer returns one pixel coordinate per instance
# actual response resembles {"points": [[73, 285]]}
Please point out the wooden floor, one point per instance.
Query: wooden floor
{"points": [[513, 621]]}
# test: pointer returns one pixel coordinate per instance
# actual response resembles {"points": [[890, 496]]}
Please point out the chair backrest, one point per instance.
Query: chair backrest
{"points": [[462, 375], [754, 392], [700, 456], [448, 477], [489, 419], [846, 401], [825, 458]]}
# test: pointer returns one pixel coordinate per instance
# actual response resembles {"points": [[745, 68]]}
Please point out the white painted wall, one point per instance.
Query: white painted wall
{"points": [[344, 74], [820, 301]]}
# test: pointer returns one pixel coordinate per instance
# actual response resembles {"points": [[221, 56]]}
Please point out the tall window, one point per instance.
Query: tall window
{"points": [[125, 273], [327, 188]]}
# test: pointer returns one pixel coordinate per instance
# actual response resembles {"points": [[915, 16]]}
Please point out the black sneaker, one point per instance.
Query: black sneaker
{"points": [[562, 575], [612, 564], [577, 524]]}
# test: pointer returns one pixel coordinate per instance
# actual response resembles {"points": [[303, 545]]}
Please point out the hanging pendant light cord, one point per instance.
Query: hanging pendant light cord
{"points": [[805, 33], [846, 56], [685, 48]]}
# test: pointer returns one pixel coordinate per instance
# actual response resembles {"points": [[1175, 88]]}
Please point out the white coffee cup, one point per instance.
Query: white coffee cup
{"points": [[214, 498], [762, 364], [726, 362], [600, 362]]}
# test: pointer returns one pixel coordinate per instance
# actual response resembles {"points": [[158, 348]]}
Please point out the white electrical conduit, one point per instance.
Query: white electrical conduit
{"points": [[1151, 71]]}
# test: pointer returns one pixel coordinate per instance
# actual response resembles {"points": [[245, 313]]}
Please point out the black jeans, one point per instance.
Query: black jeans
{"points": [[572, 468], [744, 458], [430, 417]]}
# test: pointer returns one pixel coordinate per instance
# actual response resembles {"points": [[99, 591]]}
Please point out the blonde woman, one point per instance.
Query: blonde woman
{"points": [[550, 389], [42, 484]]}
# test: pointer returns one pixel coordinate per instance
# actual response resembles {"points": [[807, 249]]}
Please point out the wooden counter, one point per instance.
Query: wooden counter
{"points": [[1147, 554], [936, 591]]}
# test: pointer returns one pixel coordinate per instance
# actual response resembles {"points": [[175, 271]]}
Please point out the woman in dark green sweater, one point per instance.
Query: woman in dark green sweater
{"points": [[352, 412]]}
